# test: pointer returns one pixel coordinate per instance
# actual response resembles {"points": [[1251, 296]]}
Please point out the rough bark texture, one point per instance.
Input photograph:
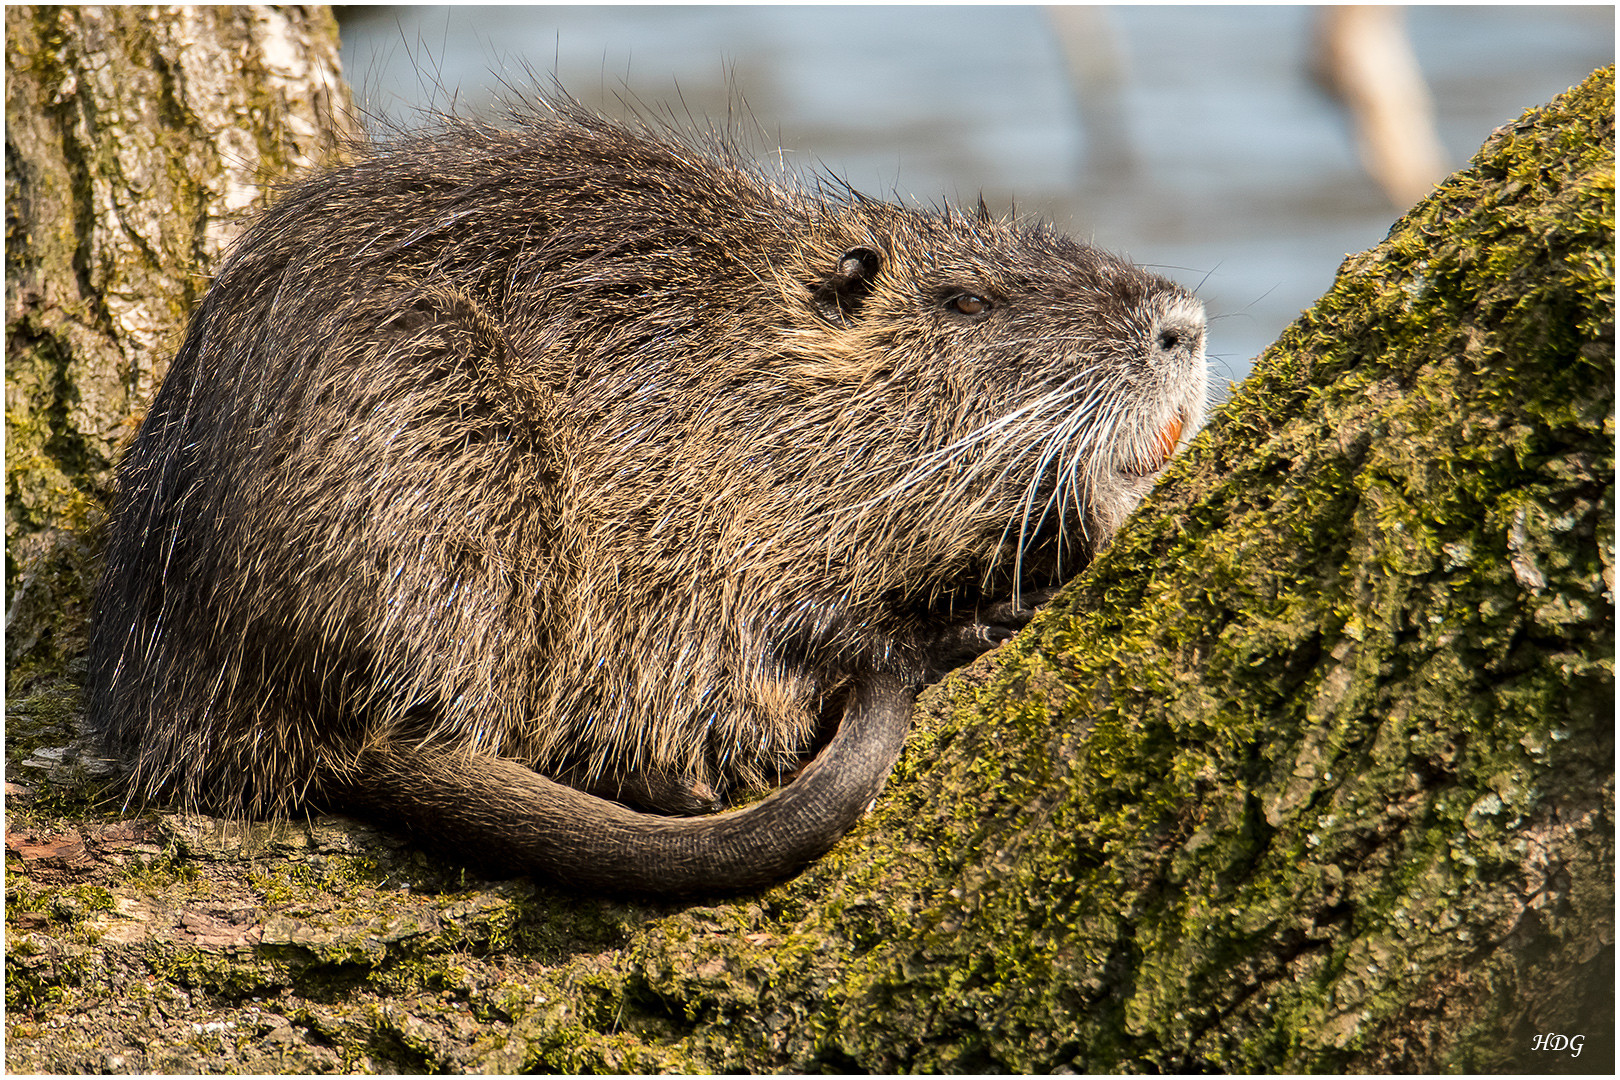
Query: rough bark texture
{"points": [[136, 140], [1313, 770]]}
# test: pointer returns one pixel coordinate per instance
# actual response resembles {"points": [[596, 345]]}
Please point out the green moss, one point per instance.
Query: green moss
{"points": [[66, 906], [42, 720], [218, 974], [167, 873]]}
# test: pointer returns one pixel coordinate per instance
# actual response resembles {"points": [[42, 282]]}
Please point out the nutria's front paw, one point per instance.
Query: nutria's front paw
{"points": [[990, 626]]}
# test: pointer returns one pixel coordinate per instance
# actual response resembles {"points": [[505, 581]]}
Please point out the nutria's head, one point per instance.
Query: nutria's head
{"points": [[1036, 386]]}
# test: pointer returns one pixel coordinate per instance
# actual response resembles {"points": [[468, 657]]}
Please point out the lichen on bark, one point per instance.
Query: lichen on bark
{"points": [[1311, 771]]}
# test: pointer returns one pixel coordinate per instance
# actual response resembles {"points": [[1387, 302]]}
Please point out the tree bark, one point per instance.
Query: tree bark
{"points": [[137, 139], [1313, 770]]}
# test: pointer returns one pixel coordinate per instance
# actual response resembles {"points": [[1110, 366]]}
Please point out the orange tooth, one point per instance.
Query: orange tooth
{"points": [[1169, 436]]}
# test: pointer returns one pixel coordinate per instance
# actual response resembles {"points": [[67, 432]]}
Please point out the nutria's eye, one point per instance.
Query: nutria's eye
{"points": [[968, 304]]}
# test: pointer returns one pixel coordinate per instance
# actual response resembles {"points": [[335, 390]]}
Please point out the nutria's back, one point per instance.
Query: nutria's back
{"points": [[585, 449]]}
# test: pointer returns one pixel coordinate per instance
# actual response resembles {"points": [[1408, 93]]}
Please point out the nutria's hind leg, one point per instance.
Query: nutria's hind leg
{"points": [[661, 793]]}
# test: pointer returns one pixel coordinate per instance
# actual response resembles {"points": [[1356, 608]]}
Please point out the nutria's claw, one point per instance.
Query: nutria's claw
{"points": [[1013, 615]]}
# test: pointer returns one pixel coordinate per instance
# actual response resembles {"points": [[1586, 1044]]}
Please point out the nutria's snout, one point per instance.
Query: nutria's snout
{"points": [[1176, 361]]}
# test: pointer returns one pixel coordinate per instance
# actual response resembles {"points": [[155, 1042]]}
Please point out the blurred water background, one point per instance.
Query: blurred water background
{"points": [[1193, 139]]}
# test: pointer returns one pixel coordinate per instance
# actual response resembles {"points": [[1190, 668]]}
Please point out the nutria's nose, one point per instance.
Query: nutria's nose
{"points": [[1178, 332]]}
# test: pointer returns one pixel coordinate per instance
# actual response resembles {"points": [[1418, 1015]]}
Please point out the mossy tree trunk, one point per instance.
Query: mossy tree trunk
{"points": [[1313, 770], [136, 139]]}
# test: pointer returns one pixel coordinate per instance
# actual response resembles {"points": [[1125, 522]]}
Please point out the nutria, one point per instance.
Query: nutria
{"points": [[585, 449]]}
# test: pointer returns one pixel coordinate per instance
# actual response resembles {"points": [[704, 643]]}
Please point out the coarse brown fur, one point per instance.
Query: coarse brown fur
{"points": [[586, 449]]}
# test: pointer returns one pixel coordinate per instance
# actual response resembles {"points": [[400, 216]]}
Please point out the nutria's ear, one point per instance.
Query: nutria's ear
{"points": [[838, 296]]}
